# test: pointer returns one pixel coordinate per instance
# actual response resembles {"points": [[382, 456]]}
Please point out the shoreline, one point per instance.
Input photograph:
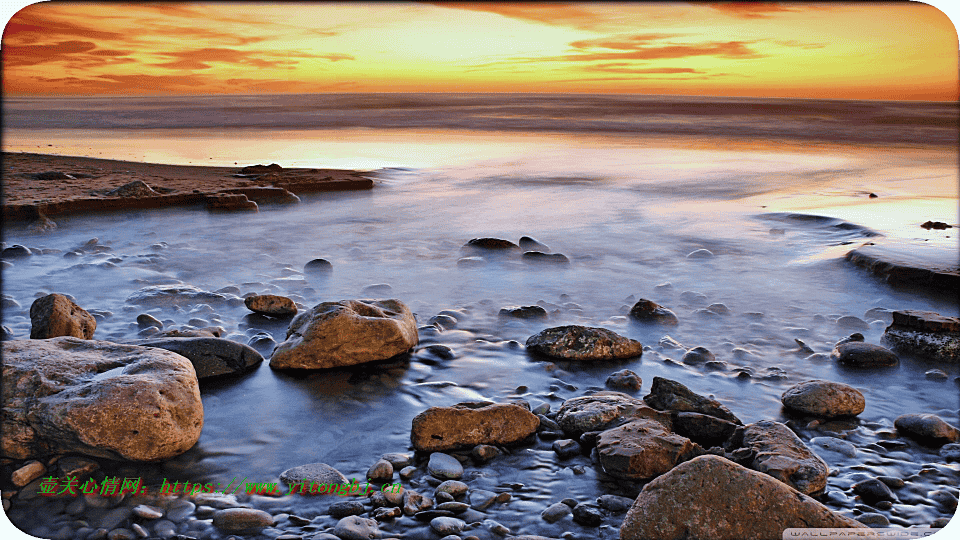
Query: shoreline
{"points": [[38, 186]]}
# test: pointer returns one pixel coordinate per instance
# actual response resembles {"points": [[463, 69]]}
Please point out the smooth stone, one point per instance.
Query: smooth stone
{"points": [[538, 257], [241, 520], [624, 380], [343, 509], [147, 512], [857, 354], [566, 448], [356, 528], [614, 503], [668, 395], [583, 343], [447, 525], [381, 470], [874, 519], [529, 244], [874, 490], [642, 449], [927, 426], [779, 453], [603, 410], [524, 312], [481, 499], [444, 466], [481, 245], [648, 311], [587, 515], [319, 473], [700, 254], [950, 452], [211, 357], [271, 304], [174, 295], [703, 429], [833, 444], [455, 507], [55, 315], [318, 266], [850, 322], [466, 425], [455, 488], [698, 355], [936, 375], [824, 398], [555, 512], [145, 320]]}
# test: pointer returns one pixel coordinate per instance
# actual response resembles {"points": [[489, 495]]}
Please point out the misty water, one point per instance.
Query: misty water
{"points": [[626, 205]]}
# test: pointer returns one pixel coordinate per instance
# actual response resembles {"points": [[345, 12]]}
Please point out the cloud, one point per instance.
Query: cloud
{"points": [[36, 54], [196, 59], [577, 16], [755, 10], [625, 42], [722, 49], [625, 67]]}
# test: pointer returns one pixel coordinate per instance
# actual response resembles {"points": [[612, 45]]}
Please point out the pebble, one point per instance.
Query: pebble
{"points": [[873, 490], [27, 473], [318, 267], [455, 488], [950, 452], [407, 472], [356, 528], [147, 512], [624, 380], [936, 375], [241, 520], [453, 506], [566, 448], [587, 515], [345, 508], [700, 254], [444, 466], [382, 470], [481, 499], [121, 534], [447, 525], [874, 519], [555, 512], [698, 355]]}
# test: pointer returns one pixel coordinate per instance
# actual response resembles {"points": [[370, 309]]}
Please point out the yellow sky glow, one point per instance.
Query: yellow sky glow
{"points": [[896, 51]]}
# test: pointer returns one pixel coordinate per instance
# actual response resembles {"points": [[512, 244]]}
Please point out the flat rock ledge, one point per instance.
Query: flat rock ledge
{"points": [[925, 334], [468, 424], [899, 268], [102, 399], [346, 333], [583, 343], [710, 497]]}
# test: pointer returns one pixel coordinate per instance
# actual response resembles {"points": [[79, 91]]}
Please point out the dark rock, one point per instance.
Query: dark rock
{"points": [[230, 202], [16, 251], [524, 312], [270, 304], [704, 429], [489, 244], [700, 254], [583, 343], [346, 508], [318, 267], [538, 257], [356, 528], [668, 395], [698, 355], [587, 515], [642, 449], [145, 320], [824, 398], [624, 380], [850, 322], [261, 169], [566, 448], [925, 334], [927, 426], [939, 225], [603, 410], [312, 473], [54, 175], [529, 244], [779, 453], [55, 315], [855, 337], [874, 490], [174, 295], [264, 194], [555, 512], [137, 188], [856, 354], [647, 311], [210, 356]]}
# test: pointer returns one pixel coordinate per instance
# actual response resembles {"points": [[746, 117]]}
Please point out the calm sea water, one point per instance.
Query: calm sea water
{"points": [[625, 186]]}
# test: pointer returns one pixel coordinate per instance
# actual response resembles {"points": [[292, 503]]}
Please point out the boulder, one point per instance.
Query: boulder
{"points": [[481, 246], [210, 356], [55, 315], [779, 453], [311, 473], [712, 498], [538, 257], [667, 395], [530, 244], [824, 398], [174, 295], [624, 379], [704, 429], [643, 449], [524, 312], [345, 333], [318, 267], [925, 334], [102, 399], [271, 304], [927, 426], [438, 429], [583, 343], [136, 189], [648, 311], [858, 354], [698, 355], [603, 410]]}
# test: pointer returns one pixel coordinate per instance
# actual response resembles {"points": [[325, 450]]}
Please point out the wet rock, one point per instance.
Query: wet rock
{"points": [[356, 528], [414, 503], [270, 304], [377, 289], [318, 267], [55, 315], [27, 473], [583, 343], [698, 355], [555, 512], [261, 169], [263, 343], [463, 425], [481, 499], [445, 322], [382, 471], [824, 398], [950, 452], [529, 244], [700, 254], [874, 490], [447, 525], [454, 488], [135, 189], [938, 225], [850, 322], [334, 334], [614, 503], [69, 395], [147, 512], [873, 519], [927, 426], [174, 295], [15, 251], [229, 202], [936, 375], [925, 334], [241, 520], [538, 257], [865, 355], [852, 338], [343, 509], [603, 410], [444, 466], [587, 515], [210, 356], [704, 429], [624, 380], [487, 246], [313, 473], [566, 448], [524, 312], [265, 194], [642, 449], [779, 453], [648, 311], [712, 497], [471, 262], [483, 453], [835, 445], [145, 320], [668, 395]]}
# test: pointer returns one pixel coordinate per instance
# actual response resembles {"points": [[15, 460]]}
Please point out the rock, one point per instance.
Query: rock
{"points": [[524, 312], [850, 322], [854, 337], [174, 295], [936, 375], [700, 254], [566, 448], [873, 519], [356, 528], [210, 356], [55, 315], [642, 449], [261, 169], [27, 473], [414, 502], [448, 428], [444, 467], [555, 512], [378, 289], [614, 503], [925, 334], [263, 343], [481, 499], [587, 515], [939, 225], [53, 175], [667, 395], [779, 453], [483, 453], [856, 354], [471, 262], [454, 488], [927, 426], [102, 399], [583, 343], [318, 267], [647, 311], [227, 202], [265, 194], [487, 246], [624, 380], [706, 430], [710, 497], [447, 525], [382, 471], [145, 320], [824, 398], [603, 410], [147, 512], [269, 304], [312, 473], [950, 452], [529, 244], [343, 509], [698, 355], [538, 257], [136, 189], [345, 333], [874, 490], [241, 520], [15, 251], [835, 445]]}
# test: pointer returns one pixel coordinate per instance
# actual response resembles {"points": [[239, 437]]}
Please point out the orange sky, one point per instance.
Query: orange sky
{"points": [[898, 51]]}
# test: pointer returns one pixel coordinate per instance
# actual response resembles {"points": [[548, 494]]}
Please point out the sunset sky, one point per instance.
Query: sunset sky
{"points": [[897, 51]]}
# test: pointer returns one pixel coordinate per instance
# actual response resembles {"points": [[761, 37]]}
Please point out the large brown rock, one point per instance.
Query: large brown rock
{"points": [[55, 315], [69, 395], [824, 398], [668, 395], [643, 449], [925, 334], [583, 343], [604, 410], [345, 333], [779, 453], [446, 428], [927, 426], [271, 304], [712, 498]]}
